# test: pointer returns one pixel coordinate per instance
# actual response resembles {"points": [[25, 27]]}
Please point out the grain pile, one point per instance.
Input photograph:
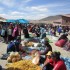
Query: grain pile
{"points": [[23, 65]]}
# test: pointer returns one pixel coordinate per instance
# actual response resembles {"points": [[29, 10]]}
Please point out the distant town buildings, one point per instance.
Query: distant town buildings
{"points": [[55, 20], [63, 20]]}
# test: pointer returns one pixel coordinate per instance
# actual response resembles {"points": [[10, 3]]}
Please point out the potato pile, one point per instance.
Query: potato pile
{"points": [[29, 44], [23, 65], [14, 57]]}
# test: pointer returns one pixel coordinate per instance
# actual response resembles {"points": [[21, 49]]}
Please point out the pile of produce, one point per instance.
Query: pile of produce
{"points": [[39, 45], [14, 57], [23, 65], [29, 44]]}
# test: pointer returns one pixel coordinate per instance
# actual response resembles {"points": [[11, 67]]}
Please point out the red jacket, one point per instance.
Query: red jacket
{"points": [[58, 65]]}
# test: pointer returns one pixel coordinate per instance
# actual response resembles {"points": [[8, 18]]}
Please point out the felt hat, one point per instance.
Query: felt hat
{"points": [[49, 53]]}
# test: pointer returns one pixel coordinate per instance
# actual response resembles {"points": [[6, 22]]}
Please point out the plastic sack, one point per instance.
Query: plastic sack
{"points": [[60, 43], [36, 59], [67, 46]]}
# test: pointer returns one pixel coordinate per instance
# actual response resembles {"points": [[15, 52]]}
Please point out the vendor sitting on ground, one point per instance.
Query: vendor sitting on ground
{"points": [[14, 46], [47, 47], [11, 47], [47, 66], [64, 36], [55, 62]]}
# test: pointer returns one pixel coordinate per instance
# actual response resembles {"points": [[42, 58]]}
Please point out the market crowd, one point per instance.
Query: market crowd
{"points": [[11, 35]]}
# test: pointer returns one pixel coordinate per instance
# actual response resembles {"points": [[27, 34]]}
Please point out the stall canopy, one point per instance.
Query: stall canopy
{"points": [[10, 20], [20, 21]]}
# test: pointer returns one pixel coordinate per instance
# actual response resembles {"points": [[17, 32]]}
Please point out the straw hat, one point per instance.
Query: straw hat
{"points": [[49, 53]]}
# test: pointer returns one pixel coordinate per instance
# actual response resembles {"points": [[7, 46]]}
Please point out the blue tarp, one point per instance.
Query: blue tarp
{"points": [[67, 62], [10, 20], [22, 21]]}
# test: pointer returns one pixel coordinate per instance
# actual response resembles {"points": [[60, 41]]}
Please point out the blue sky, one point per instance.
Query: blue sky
{"points": [[33, 9]]}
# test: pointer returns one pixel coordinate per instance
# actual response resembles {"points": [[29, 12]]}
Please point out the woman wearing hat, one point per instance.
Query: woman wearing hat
{"points": [[63, 36], [47, 65], [56, 62]]}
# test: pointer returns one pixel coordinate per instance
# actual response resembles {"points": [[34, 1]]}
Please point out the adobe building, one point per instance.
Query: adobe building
{"points": [[63, 20], [58, 20]]}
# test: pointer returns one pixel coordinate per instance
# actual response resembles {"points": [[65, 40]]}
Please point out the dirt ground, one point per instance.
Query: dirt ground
{"points": [[3, 48]]}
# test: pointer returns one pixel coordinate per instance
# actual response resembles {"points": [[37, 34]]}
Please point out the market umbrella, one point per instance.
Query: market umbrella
{"points": [[11, 20], [22, 21]]}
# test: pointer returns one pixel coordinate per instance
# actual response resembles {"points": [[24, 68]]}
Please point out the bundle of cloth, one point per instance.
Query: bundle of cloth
{"points": [[64, 42], [67, 45]]}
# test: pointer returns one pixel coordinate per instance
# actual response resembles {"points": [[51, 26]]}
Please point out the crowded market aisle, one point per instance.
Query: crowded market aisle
{"points": [[3, 48]]}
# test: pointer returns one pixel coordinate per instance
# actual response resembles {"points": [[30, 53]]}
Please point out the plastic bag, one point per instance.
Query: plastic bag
{"points": [[60, 43], [36, 59]]}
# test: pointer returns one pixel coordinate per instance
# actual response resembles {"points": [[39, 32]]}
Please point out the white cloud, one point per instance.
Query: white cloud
{"points": [[14, 3], [36, 9], [8, 16], [1, 9], [17, 13], [36, 17], [28, 12], [3, 15], [55, 5], [35, 12], [39, 8], [27, 1], [9, 3], [25, 16]]}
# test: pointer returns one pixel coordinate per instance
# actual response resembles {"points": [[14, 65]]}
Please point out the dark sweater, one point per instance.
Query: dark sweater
{"points": [[47, 48], [63, 37]]}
